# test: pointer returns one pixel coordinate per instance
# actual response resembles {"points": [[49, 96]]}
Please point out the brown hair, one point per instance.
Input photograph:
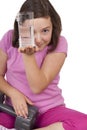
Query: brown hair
{"points": [[41, 8]]}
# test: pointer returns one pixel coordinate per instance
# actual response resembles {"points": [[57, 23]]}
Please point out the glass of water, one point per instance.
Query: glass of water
{"points": [[26, 29]]}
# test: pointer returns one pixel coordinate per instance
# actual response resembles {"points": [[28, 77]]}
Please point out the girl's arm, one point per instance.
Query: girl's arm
{"points": [[39, 78], [19, 101]]}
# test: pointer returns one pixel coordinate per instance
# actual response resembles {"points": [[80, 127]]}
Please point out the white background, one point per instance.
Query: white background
{"points": [[74, 20]]}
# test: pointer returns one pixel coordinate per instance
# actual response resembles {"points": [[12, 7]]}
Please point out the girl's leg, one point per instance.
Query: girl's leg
{"points": [[67, 119], [4, 128], [54, 126], [6, 120]]}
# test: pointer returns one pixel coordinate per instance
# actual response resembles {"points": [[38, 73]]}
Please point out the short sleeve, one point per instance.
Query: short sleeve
{"points": [[62, 45], [6, 41]]}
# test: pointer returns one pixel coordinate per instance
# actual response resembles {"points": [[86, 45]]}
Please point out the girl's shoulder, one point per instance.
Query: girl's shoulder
{"points": [[62, 45], [6, 40]]}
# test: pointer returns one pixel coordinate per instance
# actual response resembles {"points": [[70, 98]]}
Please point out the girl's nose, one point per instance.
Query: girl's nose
{"points": [[37, 39]]}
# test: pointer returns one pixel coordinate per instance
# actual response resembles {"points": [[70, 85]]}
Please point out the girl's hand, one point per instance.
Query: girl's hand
{"points": [[19, 102], [28, 50]]}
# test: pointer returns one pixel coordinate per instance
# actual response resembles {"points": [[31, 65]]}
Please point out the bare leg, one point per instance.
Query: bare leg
{"points": [[55, 126]]}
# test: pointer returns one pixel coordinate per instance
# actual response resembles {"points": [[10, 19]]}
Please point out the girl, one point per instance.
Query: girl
{"points": [[32, 73]]}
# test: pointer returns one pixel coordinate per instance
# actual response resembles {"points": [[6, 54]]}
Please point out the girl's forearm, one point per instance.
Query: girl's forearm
{"points": [[35, 76], [5, 87]]}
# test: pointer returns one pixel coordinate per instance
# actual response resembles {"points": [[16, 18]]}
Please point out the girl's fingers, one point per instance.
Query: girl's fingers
{"points": [[28, 50], [22, 111], [28, 101]]}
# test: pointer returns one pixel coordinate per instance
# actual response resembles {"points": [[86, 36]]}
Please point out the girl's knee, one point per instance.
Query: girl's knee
{"points": [[56, 126]]}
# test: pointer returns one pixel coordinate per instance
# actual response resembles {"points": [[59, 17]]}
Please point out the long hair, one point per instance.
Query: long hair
{"points": [[41, 8]]}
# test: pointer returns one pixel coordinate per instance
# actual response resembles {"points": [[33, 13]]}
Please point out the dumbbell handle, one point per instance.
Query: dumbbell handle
{"points": [[7, 109]]}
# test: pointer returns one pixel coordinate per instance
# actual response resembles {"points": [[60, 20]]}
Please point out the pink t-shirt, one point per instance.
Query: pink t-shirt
{"points": [[16, 76]]}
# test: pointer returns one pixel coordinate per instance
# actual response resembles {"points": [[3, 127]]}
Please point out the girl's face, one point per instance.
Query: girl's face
{"points": [[42, 31]]}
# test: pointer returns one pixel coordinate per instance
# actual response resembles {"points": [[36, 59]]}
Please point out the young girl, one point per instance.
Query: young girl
{"points": [[32, 73]]}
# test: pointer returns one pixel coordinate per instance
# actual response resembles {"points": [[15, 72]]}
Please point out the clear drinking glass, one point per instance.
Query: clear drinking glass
{"points": [[26, 29]]}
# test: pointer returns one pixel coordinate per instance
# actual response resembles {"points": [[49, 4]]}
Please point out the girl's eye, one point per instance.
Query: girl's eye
{"points": [[45, 31]]}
